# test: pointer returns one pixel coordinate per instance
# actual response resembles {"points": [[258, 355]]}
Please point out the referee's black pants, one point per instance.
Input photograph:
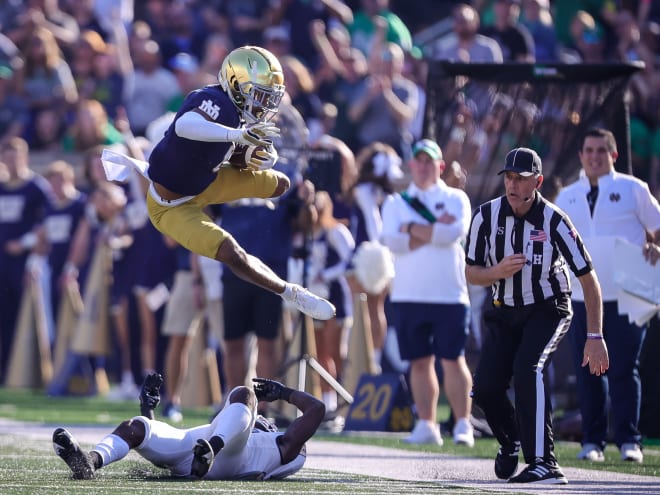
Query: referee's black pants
{"points": [[519, 343]]}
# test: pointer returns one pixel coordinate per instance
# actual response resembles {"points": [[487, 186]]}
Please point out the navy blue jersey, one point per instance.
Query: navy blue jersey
{"points": [[160, 264], [186, 166], [263, 231], [22, 207], [61, 223]]}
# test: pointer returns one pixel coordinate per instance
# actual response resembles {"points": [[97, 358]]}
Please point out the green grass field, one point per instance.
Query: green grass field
{"points": [[29, 466]]}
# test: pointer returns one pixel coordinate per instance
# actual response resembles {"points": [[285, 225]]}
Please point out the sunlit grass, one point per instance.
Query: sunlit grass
{"points": [[35, 406]]}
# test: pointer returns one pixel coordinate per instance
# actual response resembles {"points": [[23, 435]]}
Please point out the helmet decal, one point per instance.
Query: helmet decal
{"points": [[252, 77]]}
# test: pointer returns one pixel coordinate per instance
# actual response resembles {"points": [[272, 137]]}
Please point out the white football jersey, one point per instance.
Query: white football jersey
{"points": [[257, 458], [260, 460]]}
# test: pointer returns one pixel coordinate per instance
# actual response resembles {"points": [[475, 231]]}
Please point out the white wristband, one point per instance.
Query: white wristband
{"points": [[70, 269], [35, 263], [29, 240], [235, 135]]}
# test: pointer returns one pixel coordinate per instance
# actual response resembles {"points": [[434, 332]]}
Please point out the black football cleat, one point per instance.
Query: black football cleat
{"points": [[67, 448], [203, 458], [150, 394], [506, 461]]}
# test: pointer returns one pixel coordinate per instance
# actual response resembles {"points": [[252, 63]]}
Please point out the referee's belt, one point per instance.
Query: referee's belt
{"points": [[499, 304]]}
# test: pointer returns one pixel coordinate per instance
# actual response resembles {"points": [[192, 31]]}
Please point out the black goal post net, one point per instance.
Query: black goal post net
{"points": [[477, 112]]}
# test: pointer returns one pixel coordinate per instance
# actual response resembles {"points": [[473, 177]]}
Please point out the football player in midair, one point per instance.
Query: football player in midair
{"points": [[190, 168]]}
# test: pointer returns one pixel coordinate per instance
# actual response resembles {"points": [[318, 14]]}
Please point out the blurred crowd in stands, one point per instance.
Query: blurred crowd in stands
{"points": [[77, 76]]}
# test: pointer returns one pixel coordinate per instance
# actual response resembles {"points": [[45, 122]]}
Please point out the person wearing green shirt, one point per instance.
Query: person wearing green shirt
{"points": [[366, 21]]}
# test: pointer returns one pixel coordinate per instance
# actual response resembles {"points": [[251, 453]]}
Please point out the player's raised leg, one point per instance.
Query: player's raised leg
{"points": [[252, 269]]}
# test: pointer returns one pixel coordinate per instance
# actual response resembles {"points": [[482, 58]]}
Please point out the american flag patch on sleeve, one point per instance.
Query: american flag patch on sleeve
{"points": [[537, 236]]}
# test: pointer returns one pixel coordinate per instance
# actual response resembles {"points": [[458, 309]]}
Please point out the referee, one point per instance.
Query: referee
{"points": [[522, 246]]}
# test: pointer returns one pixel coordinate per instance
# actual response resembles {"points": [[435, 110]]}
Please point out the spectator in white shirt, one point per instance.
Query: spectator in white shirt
{"points": [[424, 227], [606, 205]]}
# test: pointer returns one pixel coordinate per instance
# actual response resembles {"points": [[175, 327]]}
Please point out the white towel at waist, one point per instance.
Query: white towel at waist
{"points": [[117, 166]]}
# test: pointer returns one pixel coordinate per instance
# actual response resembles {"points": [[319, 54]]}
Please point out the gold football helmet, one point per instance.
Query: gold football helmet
{"points": [[253, 78]]}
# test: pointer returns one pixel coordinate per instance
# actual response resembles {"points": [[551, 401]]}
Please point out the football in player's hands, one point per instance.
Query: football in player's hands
{"points": [[253, 157], [241, 152]]}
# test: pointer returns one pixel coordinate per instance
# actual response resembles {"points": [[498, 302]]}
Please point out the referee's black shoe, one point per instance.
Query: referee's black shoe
{"points": [[541, 472], [506, 461]]}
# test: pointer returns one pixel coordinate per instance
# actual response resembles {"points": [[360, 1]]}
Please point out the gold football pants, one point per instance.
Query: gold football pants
{"points": [[190, 226]]}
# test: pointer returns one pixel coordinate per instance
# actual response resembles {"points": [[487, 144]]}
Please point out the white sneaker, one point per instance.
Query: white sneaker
{"points": [[173, 413], [631, 452], [310, 304], [124, 391], [463, 433], [591, 452], [425, 432]]}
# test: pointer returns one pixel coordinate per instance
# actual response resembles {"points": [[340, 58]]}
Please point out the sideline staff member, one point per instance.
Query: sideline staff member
{"points": [[607, 205], [523, 246]]}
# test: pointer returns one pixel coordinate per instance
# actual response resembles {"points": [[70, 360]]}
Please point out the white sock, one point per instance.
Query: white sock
{"points": [[127, 377], [463, 421], [430, 423], [330, 400], [112, 448]]}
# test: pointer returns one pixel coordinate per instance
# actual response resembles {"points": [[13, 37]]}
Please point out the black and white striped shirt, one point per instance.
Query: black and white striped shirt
{"points": [[545, 235]]}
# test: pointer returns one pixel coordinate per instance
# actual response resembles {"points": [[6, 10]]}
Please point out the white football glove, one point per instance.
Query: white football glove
{"points": [[257, 134], [260, 158]]}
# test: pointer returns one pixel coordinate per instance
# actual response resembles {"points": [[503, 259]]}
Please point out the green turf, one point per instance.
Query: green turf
{"points": [[34, 406], [35, 472], [31, 468], [29, 405]]}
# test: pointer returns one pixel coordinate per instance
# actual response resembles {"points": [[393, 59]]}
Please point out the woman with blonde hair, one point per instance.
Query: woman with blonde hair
{"points": [[48, 79], [90, 127]]}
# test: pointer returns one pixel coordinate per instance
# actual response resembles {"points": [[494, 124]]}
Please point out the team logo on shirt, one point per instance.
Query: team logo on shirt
{"points": [[210, 109], [11, 208], [615, 197]]}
